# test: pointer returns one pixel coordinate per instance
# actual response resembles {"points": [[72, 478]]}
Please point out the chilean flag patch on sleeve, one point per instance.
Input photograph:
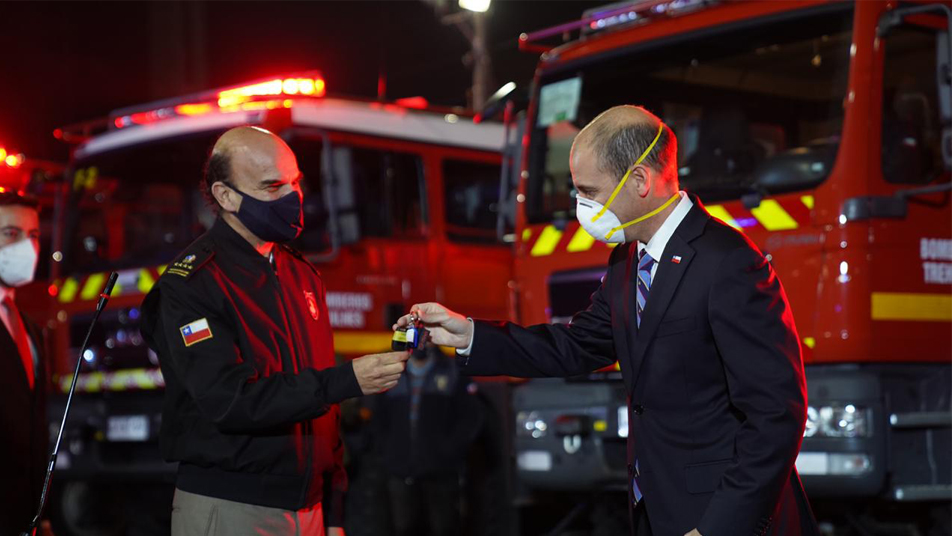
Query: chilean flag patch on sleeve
{"points": [[197, 331]]}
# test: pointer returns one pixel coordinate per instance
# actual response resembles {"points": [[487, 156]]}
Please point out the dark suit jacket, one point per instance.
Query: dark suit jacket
{"points": [[717, 395], [24, 436]]}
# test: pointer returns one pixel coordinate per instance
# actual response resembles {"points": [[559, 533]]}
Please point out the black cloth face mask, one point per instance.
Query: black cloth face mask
{"points": [[281, 220]]}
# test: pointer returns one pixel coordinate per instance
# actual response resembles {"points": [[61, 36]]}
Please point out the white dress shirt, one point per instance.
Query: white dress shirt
{"points": [[659, 241], [655, 247]]}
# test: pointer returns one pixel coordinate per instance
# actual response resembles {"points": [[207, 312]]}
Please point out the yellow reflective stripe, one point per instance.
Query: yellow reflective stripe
{"points": [[582, 241], [362, 342], [807, 201], [721, 213], [810, 342], [116, 289], [120, 380], [908, 306], [93, 286], [69, 290], [600, 426], [547, 241], [145, 281], [526, 235], [773, 217], [161, 269]]}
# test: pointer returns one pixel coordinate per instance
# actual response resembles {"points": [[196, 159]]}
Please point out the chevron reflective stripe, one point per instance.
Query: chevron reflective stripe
{"points": [[721, 213], [67, 292], [547, 241], [120, 380], [807, 201], [146, 281], [93, 286], [581, 241], [773, 217]]}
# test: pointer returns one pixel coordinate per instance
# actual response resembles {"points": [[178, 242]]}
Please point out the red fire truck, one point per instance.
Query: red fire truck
{"points": [[400, 206], [822, 130]]}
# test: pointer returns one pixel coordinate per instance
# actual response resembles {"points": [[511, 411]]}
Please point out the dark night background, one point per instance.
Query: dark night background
{"points": [[64, 62]]}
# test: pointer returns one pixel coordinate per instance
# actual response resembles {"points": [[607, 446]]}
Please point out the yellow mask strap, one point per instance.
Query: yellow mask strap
{"points": [[628, 173], [645, 217]]}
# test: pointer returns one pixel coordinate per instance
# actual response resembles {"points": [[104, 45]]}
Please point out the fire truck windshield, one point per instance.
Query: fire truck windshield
{"points": [[136, 206], [749, 103]]}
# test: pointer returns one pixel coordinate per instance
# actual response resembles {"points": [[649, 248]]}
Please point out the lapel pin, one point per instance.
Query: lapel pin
{"points": [[676, 259]]}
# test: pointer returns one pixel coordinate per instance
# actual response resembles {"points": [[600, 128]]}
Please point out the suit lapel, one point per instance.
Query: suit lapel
{"points": [[667, 278], [11, 353], [666, 281]]}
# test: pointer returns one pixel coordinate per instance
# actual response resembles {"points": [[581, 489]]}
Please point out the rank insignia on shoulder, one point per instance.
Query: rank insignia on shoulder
{"points": [[187, 265], [196, 332]]}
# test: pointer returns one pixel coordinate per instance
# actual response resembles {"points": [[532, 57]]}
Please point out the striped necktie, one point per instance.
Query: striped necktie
{"points": [[645, 263]]}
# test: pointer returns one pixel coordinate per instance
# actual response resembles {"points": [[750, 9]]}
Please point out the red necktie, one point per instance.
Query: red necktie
{"points": [[20, 337]]}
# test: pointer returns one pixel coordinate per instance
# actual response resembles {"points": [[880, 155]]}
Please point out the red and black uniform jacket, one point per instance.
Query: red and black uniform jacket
{"points": [[252, 389]]}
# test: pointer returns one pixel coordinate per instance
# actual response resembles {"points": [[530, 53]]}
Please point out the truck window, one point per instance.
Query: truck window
{"points": [[912, 130], [378, 193], [136, 207], [471, 198], [316, 235], [755, 108]]}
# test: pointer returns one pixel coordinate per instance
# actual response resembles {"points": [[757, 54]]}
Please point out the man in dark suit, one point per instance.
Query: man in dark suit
{"points": [[23, 447], [701, 328]]}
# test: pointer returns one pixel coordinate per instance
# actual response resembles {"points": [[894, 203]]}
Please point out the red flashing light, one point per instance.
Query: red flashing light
{"points": [[242, 98], [193, 109], [13, 161], [417, 103], [53, 290], [58, 133]]}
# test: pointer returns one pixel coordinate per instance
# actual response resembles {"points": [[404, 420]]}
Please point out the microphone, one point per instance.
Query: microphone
{"points": [[103, 300], [104, 297]]}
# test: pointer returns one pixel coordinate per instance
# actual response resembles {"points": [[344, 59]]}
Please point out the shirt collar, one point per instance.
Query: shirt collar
{"points": [[659, 241]]}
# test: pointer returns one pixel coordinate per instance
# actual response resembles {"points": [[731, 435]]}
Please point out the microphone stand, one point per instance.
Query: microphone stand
{"points": [[103, 299]]}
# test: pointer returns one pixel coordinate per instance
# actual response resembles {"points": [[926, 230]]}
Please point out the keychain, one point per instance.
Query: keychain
{"points": [[411, 337]]}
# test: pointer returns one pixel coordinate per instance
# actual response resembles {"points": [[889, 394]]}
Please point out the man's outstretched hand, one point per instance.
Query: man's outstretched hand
{"points": [[379, 372], [446, 327]]}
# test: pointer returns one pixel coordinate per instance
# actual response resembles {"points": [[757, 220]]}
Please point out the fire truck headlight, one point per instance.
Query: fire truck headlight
{"points": [[837, 421], [529, 424]]}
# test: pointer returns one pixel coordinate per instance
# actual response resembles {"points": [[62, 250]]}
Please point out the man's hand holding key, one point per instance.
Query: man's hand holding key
{"points": [[379, 372]]}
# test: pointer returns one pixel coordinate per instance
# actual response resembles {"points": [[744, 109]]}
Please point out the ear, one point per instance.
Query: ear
{"points": [[641, 177], [226, 197]]}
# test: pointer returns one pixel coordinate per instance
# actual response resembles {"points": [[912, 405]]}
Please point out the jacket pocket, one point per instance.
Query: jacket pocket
{"points": [[672, 327], [704, 477]]}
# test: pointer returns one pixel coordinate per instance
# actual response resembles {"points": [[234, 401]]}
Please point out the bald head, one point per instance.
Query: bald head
{"points": [[619, 135], [253, 161]]}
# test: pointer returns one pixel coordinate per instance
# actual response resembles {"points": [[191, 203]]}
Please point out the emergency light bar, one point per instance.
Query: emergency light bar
{"points": [[268, 94], [613, 16]]}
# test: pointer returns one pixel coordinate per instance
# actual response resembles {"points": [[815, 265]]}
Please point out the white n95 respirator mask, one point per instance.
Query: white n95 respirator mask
{"points": [[18, 263], [602, 223]]}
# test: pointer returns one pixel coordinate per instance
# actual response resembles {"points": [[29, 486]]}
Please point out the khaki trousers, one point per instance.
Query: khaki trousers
{"points": [[198, 515]]}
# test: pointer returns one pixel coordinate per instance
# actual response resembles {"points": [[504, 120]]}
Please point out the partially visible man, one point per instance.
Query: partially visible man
{"points": [[23, 448], [700, 325], [241, 328], [423, 429]]}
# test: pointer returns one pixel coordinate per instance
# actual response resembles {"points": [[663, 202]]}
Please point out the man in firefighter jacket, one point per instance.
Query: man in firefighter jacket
{"points": [[241, 328]]}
